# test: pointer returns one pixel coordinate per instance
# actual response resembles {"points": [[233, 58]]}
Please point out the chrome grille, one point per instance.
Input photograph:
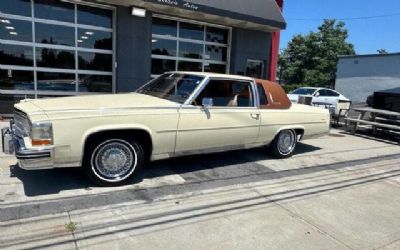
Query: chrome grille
{"points": [[21, 124]]}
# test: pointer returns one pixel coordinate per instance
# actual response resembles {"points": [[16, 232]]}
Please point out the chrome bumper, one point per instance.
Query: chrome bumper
{"points": [[28, 159]]}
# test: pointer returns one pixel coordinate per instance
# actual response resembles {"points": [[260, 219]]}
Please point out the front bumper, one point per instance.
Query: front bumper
{"points": [[28, 158]]}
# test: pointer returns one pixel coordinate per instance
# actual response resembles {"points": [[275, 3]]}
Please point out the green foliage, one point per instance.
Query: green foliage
{"points": [[312, 59], [290, 87], [71, 227]]}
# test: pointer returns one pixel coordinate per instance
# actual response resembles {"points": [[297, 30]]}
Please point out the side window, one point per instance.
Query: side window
{"points": [[331, 93], [263, 96], [227, 93], [322, 92]]}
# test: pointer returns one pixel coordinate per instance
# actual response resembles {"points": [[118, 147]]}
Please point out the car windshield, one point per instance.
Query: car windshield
{"points": [[303, 91], [174, 86]]}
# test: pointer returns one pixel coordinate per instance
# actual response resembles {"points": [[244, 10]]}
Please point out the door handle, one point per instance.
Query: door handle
{"points": [[255, 116]]}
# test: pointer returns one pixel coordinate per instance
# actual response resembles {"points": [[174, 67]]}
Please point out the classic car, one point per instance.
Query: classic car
{"points": [[176, 114]]}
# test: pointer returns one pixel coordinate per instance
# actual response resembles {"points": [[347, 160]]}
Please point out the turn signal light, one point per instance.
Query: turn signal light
{"points": [[41, 142]]}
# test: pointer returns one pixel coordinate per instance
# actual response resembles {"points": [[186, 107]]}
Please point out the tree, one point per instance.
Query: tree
{"points": [[312, 59]]}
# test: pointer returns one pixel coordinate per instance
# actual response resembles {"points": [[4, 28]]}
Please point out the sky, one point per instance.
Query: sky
{"points": [[368, 34]]}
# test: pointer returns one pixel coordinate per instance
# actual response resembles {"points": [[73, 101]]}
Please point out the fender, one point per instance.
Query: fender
{"points": [[292, 127], [112, 127]]}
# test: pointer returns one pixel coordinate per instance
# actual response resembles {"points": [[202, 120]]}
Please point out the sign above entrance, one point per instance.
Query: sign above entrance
{"points": [[177, 3]]}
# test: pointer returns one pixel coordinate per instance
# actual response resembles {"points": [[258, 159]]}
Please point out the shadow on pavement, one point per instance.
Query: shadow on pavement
{"points": [[192, 168]]}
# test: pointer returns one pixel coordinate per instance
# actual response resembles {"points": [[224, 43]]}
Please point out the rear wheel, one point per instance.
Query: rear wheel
{"points": [[284, 144], [113, 161]]}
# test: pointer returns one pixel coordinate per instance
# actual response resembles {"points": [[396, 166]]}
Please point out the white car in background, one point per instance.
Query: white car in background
{"points": [[319, 95]]}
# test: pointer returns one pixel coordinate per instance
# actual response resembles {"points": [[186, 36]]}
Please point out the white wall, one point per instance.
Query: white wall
{"points": [[360, 76]]}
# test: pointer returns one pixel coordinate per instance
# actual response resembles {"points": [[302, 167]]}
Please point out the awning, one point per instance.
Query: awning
{"points": [[262, 15]]}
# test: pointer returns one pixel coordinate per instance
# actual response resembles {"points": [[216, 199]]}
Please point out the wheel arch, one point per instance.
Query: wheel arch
{"points": [[142, 133], [300, 130]]}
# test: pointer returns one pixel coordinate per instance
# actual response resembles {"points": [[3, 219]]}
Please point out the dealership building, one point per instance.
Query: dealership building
{"points": [[52, 48]]}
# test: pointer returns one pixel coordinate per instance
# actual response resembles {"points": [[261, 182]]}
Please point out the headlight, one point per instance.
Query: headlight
{"points": [[41, 134]]}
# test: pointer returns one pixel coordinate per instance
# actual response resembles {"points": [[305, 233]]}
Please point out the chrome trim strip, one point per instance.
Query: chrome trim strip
{"points": [[290, 124], [206, 129], [105, 110]]}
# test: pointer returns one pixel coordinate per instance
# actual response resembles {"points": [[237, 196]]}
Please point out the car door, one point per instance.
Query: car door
{"points": [[232, 121], [327, 96]]}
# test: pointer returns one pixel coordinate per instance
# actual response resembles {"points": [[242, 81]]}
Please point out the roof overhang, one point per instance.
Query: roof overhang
{"points": [[263, 15]]}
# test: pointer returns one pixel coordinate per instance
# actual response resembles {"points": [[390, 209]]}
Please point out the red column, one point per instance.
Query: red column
{"points": [[274, 53]]}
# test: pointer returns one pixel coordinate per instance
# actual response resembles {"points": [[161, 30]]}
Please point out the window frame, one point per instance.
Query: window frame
{"points": [[75, 49], [207, 80], [204, 62]]}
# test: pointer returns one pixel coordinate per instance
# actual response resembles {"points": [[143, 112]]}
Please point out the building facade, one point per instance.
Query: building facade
{"points": [[52, 48], [361, 75]]}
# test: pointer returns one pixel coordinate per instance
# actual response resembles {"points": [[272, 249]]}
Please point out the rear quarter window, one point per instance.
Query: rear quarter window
{"points": [[262, 95]]}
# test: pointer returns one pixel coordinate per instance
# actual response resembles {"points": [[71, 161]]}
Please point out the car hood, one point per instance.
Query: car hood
{"points": [[97, 102]]}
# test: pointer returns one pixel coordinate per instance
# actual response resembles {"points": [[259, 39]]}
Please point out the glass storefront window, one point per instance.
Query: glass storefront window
{"points": [[16, 7], [215, 68], [160, 66], [95, 39], [165, 27], [164, 47], [191, 31], [16, 80], [49, 81], [95, 83], [55, 10], [17, 30], [217, 35], [190, 66], [94, 16], [216, 53], [54, 34], [191, 50], [53, 58], [71, 51], [95, 61], [16, 55]]}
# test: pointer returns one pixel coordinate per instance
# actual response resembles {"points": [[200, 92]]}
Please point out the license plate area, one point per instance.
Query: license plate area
{"points": [[7, 140]]}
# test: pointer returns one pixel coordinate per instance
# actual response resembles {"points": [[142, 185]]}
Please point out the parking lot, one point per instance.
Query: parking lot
{"points": [[337, 192]]}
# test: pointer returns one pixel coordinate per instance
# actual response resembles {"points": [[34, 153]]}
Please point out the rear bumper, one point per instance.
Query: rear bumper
{"points": [[29, 159]]}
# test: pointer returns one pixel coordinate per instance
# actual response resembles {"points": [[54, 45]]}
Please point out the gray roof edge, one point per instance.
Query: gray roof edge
{"points": [[368, 55]]}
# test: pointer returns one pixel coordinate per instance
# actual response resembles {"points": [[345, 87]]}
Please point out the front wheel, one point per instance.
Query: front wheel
{"points": [[113, 161], [284, 144]]}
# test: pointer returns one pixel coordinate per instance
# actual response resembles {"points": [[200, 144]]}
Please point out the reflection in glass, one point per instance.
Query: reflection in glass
{"points": [[17, 30], [191, 50], [217, 35], [191, 31], [95, 61], [54, 34], [215, 68], [190, 66], [216, 53], [94, 39], [48, 81], [164, 27], [94, 16], [16, 7], [53, 58], [164, 47], [54, 10], [16, 55], [7, 102], [16, 80], [95, 83], [160, 66]]}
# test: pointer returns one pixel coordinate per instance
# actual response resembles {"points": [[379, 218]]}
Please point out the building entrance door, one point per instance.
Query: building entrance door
{"points": [[255, 68]]}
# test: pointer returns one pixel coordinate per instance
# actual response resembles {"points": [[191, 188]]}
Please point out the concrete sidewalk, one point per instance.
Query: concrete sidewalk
{"points": [[337, 192]]}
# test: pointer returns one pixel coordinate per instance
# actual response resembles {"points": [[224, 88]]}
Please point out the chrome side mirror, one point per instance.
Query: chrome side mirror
{"points": [[207, 102]]}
